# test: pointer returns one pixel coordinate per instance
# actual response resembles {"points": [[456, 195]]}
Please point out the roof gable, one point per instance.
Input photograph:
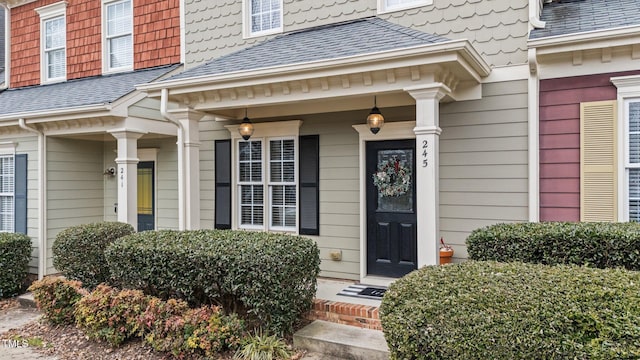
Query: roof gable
{"points": [[565, 17], [356, 37]]}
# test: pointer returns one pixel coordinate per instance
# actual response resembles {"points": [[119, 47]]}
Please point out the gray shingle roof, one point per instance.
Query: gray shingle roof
{"points": [[356, 37], [75, 93], [564, 17]]}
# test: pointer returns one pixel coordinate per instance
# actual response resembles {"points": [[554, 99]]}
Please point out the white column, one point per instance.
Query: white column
{"points": [[189, 121], [127, 173], [427, 132]]}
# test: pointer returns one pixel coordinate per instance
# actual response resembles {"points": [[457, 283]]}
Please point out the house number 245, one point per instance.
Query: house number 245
{"points": [[425, 147]]}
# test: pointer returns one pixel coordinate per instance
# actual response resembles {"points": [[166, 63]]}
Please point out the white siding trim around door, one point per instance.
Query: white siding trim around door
{"points": [[390, 131]]}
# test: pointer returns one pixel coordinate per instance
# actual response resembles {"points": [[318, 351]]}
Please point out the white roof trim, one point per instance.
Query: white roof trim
{"points": [[55, 112], [471, 56], [564, 43]]}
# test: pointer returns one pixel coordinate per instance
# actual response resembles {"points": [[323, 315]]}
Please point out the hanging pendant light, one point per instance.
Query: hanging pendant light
{"points": [[246, 127], [375, 120]]}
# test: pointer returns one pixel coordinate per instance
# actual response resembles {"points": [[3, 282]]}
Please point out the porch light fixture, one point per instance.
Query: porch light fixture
{"points": [[246, 127], [375, 120]]}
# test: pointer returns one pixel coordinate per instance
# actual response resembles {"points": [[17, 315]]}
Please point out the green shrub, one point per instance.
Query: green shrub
{"points": [[56, 297], [78, 251], [111, 315], [601, 245], [271, 278], [15, 253], [490, 310], [170, 326]]}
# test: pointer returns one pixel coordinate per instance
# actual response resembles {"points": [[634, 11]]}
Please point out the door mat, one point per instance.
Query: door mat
{"points": [[364, 291]]}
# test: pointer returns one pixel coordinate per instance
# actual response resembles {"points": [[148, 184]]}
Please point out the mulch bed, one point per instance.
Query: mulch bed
{"points": [[69, 343]]}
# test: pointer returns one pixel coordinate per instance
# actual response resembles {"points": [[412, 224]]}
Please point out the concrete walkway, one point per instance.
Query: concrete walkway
{"points": [[16, 350]]}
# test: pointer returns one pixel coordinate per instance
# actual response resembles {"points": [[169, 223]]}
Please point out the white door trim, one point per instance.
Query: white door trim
{"points": [[390, 131]]}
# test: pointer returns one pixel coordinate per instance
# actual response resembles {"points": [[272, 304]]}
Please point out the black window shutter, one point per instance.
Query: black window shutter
{"points": [[20, 194], [309, 208], [223, 184]]}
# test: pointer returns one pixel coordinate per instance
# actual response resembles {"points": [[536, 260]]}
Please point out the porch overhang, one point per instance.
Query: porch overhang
{"points": [[328, 83]]}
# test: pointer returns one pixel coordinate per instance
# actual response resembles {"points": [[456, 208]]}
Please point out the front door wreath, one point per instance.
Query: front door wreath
{"points": [[393, 177]]}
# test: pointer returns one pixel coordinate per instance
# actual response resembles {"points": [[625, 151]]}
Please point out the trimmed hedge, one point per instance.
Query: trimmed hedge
{"points": [[78, 251], [601, 245], [490, 310], [15, 253], [270, 277]]}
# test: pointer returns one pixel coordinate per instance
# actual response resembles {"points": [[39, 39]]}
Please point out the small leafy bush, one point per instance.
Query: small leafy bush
{"points": [[601, 245], [162, 324], [170, 326], [111, 315], [490, 310], [15, 253], [268, 278], [262, 346], [78, 251], [56, 298]]}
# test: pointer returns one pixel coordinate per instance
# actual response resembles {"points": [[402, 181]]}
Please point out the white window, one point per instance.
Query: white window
{"points": [[262, 17], [118, 32], [385, 6], [266, 177], [280, 184], [632, 158], [53, 34], [7, 186], [250, 184]]}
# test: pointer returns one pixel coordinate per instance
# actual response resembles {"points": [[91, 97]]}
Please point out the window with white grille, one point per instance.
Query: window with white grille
{"points": [[7, 186], [118, 20], [54, 48], [275, 157], [263, 17], [632, 163], [53, 33]]}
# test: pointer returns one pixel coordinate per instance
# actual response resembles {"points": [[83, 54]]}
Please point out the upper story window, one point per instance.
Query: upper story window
{"points": [[262, 17], [53, 34], [385, 6], [118, 35]]}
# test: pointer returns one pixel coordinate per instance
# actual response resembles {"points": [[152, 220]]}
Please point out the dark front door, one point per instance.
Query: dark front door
{"points": [[391, 213], [146, 199]]}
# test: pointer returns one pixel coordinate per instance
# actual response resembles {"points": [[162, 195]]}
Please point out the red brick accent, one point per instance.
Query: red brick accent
{"points": [[156, 29], [560, 140], [362, 316]]}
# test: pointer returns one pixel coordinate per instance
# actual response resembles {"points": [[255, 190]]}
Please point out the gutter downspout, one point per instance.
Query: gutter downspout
{"points": [[534, 137], [7, 46], [42, 203], [164, 99]]}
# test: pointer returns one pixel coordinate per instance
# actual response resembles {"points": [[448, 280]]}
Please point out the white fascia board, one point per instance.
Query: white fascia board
{"points": [[440, 52], [15, 3], [50, 113], [586, 40]]}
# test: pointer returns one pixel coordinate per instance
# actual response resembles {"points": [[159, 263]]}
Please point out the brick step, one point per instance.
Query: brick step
{"points": [[362, 316]]}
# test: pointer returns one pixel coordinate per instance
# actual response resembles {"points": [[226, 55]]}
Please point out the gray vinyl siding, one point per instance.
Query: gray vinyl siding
{"points": [[110, 182], [74, 186], [483, 162], [29, 145], [498, 29]]}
